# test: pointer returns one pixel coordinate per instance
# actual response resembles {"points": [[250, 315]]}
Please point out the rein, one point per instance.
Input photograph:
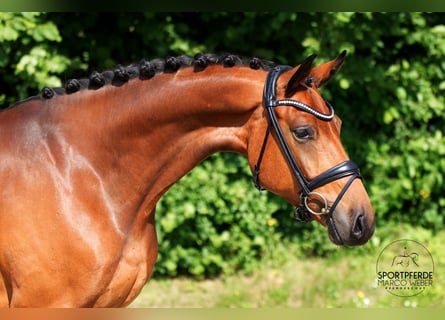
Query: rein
{"points": [[344, 169]]}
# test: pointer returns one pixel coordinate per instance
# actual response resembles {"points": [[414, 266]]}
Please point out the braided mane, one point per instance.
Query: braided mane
{"points": [[147, 69]]}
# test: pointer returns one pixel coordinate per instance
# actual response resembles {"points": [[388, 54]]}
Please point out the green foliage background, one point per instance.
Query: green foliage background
{"points": [[389, 94]]}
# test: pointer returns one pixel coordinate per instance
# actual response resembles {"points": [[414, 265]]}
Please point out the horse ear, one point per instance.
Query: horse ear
{"points": [[300, 75], [326, 71]]}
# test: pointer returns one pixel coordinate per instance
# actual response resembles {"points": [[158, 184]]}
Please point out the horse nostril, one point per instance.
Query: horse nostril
{"points": [[359, 226]]}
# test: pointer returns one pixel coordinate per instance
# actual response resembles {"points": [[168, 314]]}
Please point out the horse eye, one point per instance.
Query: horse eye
{"points": [[309, 81], [303, 133]]}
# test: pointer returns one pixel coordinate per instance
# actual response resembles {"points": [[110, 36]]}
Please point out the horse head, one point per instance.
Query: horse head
{"points": [[297, 153]]}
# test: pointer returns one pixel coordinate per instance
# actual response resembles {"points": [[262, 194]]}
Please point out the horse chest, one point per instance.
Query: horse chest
{"points": [[132, 271]]}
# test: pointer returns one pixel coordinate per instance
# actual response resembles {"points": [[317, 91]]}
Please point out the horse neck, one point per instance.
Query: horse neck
{"points": [[148, 134]]}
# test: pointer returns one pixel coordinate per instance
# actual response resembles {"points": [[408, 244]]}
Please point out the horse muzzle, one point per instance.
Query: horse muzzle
{"points": [[340, 231], [350, 230], [347, 227]]}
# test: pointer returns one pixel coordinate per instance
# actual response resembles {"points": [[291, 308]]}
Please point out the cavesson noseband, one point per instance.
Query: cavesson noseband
{"points": [[344, 169]]}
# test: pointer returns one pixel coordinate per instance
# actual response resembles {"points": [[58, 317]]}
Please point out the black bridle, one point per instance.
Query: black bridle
{"points": [[344, 169]]}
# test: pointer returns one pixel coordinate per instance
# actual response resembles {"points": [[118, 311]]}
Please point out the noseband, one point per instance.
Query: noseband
{"points": [[344, 169]]}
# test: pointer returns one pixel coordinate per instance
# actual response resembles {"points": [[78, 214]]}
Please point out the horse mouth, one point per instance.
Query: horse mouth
{"points": [[333, 233]]}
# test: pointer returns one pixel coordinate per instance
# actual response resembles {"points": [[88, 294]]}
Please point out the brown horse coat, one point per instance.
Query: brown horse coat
{"points": [[81, 173]]}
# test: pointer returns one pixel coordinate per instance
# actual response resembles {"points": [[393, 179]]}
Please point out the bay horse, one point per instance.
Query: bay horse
{"points": [[82, 167]]}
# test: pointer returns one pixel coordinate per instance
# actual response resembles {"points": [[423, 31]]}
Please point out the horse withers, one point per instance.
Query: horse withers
{"points": [[82, 167]]}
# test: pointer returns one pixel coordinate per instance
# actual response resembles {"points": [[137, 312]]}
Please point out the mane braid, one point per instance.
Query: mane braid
{"points": [[145, 70]]}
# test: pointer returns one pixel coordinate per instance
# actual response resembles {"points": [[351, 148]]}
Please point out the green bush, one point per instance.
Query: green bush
{"points": [[212, 221], [389, 94], [29, 56]]}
